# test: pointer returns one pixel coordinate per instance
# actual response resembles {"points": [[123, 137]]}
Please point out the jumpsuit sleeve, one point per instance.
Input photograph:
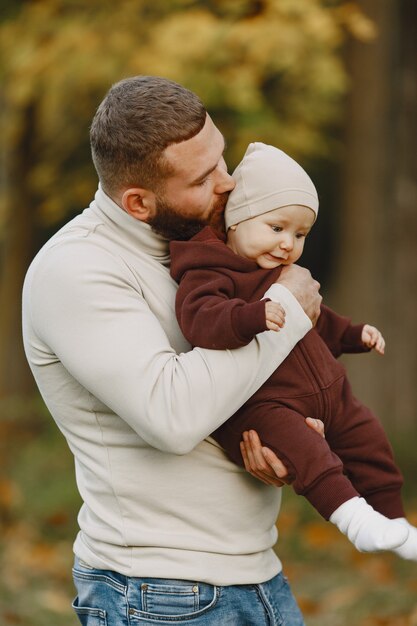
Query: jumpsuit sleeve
{"points": [[340, 336], [211, 317]]}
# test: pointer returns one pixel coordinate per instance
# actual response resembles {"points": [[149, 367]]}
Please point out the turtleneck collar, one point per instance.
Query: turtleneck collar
{"points": [[137, 232]]}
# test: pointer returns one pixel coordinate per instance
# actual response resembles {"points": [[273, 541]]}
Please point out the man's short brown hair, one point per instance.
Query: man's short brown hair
{"points": [[138, 118]]}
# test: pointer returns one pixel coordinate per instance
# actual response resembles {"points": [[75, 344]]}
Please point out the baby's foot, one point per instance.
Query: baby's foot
{"points": [[408, 550], [368, 530]]}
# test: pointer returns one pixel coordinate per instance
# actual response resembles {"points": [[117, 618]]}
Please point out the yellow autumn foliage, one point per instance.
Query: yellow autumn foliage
{"points": [[267, 70]]}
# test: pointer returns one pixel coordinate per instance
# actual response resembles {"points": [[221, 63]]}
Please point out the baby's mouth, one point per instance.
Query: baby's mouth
{"points": [[276, 258]]}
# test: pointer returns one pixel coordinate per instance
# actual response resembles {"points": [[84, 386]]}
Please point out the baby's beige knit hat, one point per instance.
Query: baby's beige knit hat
{"points": [[268, 179]]}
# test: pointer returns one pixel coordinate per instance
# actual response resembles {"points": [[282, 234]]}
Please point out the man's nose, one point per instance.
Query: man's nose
{"points": [[226, 184], [224, 181]]}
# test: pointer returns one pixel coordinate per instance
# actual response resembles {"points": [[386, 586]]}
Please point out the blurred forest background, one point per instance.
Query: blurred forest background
{"points": [[332, 82]]}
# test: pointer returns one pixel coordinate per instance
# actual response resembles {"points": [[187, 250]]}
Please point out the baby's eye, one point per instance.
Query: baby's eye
{"points": [[276, 229], [300, 235]]}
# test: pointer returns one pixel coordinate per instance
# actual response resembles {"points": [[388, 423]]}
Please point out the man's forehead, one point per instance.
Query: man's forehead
{"points": [[199, 153]]}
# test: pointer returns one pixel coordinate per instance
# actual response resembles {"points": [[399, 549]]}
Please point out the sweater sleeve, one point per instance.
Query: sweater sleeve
{"points": [[211, 317], [340, 336], [88, 326]]}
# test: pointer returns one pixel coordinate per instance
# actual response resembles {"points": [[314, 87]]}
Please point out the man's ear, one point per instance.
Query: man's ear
{"points": [[139, 203]]}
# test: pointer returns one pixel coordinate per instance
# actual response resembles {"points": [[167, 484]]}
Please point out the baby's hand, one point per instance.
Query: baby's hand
{"points": [[372, 338], [275, 316]]}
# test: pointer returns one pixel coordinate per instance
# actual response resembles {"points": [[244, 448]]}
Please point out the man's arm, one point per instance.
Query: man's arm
{"points": [[88, 312]]}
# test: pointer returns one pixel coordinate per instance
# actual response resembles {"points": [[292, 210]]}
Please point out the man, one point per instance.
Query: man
{"points": [[170, 529]]}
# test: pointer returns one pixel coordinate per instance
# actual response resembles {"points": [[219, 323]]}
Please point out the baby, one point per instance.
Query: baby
{"points": [[350, 477]]}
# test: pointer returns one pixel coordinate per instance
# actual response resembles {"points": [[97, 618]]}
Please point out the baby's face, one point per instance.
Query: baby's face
{"points": [[273, 238]]}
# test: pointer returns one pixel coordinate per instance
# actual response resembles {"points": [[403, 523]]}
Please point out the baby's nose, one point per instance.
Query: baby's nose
{"points": [[287, 242]]}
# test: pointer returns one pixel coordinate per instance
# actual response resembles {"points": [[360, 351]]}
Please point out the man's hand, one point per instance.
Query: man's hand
{"points": [[372, 338], [301, 284], [275, 316], [262, 463]]}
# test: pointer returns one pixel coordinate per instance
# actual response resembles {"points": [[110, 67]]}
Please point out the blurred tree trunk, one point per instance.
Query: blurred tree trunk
{"points": [[404, 222], [16, 253], [377, 271]]}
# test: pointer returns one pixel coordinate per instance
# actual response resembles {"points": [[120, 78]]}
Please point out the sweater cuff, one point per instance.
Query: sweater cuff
{"points": [[282, 295]]}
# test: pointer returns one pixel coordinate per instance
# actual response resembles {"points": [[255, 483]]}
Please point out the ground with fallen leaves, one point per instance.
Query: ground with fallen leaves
{"points": [[334, 584]]}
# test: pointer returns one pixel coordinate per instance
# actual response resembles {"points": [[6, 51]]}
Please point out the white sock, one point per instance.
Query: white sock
{"points": [[368, 530], [408, 550]]}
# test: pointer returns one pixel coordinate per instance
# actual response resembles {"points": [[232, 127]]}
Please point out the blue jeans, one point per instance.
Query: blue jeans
{"points": [[106, 598]]}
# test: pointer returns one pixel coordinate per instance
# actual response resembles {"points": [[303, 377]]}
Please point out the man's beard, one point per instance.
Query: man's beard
{"points": [[174, 226]]}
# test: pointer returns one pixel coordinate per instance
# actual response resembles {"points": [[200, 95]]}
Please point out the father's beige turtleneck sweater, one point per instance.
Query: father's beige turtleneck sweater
{"points": [[135, 405]]}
